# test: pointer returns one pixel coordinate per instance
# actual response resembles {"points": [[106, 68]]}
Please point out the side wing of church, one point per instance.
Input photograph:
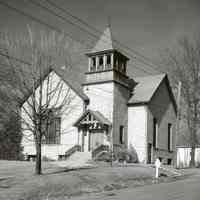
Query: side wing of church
{"points": [[60, 134], [123, 112], [152, 119]]}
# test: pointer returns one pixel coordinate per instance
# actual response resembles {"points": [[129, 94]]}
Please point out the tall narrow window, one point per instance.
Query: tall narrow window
{"points": [[123, 67], [155, 133], [169, 137], [101, 60], [93, 64], [52, 129], [108, 62], [57, 122], [89, 117], [100, 65], [121, 135], [116, 63]]}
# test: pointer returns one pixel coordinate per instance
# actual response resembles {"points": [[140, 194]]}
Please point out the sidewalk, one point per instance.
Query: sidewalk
{"points": [[179, 190]]}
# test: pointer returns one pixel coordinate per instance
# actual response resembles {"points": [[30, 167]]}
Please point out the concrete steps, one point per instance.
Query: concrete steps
{"points": [[80, 157], [77, 160], [170, 171]]}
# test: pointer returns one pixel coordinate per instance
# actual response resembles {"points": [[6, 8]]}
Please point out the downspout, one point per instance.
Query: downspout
{"points": [[146, 135]]}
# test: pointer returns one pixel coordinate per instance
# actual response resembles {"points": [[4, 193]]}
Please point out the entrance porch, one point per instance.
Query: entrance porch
{"points": [[93, 131]]}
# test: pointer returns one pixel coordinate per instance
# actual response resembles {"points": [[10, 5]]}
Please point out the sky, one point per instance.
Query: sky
{"points": [[146, 26]]}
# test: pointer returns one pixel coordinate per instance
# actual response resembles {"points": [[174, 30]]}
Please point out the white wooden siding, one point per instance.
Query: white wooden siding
{"points": [[69, 134], [101, 98], [137, 119]]}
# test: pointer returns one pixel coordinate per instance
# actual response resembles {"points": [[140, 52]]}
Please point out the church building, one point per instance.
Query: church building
{"points": [[115, 111]]}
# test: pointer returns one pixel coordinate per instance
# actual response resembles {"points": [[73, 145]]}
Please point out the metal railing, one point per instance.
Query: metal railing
{"points": [[99, 149], [72, 150]]}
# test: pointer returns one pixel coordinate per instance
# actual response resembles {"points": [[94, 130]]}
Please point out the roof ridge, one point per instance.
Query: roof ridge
{"points": [[153, 75], [146, 88]]}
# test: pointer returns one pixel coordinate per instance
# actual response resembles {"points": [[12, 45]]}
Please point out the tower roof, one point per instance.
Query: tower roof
{"points": [[105, 42]]}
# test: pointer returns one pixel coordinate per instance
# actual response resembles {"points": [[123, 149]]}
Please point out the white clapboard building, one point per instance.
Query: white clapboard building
{"points": [[112, 110]]}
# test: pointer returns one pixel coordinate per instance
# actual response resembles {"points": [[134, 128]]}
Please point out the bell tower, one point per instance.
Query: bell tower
{"points": [[108, 86], [105, 62]]}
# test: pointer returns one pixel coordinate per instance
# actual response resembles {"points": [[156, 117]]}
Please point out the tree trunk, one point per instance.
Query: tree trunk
{"points": [[38, 164], [192, 160]]}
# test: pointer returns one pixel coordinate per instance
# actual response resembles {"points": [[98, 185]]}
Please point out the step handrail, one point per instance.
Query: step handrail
{"points": [[99, 149], [72, 150]]}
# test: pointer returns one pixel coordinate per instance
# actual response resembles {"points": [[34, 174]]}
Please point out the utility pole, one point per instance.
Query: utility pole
{"points": [[177, 121]]}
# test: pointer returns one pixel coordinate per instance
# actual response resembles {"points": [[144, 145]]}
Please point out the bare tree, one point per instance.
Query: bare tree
{"points": [[28, 61], [184, 65]]}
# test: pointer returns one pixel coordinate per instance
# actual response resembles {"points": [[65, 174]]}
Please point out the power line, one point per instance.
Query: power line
{"points": [[73, 16], [139, 54], [92, 27], [95, 29], [50, 26], [60, 16], [38, 21], [83, 29]]}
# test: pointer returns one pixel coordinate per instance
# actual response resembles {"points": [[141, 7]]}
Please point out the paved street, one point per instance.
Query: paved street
{"points": [[188, 189]]}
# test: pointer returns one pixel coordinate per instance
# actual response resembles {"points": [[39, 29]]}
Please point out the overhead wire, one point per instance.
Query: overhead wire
{"points": [[83, 29], [51, 27], [64, 10]]}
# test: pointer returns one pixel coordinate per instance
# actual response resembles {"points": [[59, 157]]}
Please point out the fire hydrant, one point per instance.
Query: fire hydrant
{"points": [[157, 165]]}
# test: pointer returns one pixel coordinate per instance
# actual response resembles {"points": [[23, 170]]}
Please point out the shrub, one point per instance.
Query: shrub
{"points": [[133, 154], [104, 156], [128, 155]]}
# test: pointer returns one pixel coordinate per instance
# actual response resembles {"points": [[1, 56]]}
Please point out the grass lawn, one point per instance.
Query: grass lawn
{"points": [[18, 182]]}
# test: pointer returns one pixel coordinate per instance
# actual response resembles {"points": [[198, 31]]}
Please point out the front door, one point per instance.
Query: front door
{"points": [[97, 138], [86, 142]]}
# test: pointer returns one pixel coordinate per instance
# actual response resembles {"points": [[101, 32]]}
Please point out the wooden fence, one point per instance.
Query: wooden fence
{"points": [[184, 156]]}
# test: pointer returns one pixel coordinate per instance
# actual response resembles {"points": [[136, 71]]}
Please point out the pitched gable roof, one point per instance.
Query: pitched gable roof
{"points": [[68, 78], [106, 43], [99, 116], [146, 88], [70, 81]]}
